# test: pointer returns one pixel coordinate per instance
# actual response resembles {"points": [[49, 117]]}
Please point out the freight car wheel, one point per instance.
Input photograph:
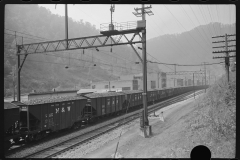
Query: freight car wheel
{"points": [[26, 139], [75, 126], [38, 136], [29, 138], [7, 145], [16, 140]]}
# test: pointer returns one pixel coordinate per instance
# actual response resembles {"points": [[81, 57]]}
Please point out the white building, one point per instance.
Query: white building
{"points": [[132, 82], [154, 80], [117, 85]]}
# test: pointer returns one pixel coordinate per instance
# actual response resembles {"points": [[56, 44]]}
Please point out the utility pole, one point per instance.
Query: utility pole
{"points": [[193, 86], [144, 10], [209, 77], [66, 25], [112, 8], [205, 74], [18, 75], [109, 86], [13, 76], [175, 73], [227, 64], [185, 84], [111, 26], [158, 74]]}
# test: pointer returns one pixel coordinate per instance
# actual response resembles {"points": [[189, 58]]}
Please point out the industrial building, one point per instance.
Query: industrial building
{"points": [[132, 82], [116, 85]]}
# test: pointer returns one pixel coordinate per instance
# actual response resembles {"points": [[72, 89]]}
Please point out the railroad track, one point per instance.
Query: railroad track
{"points": [[72, 143]]}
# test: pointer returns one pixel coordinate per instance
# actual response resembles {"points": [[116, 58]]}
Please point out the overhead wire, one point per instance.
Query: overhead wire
{"points": [[87, 14], [111, 65], [211, 20], [107, 64], [169, 39], [195, 27], [47, 39], [199, 22], [165, 33], [24, 33], [185, 29], [218, 20], [188, 64], [64, 63], [172, 43], [21, 36], [203, 15], [41, 38]]}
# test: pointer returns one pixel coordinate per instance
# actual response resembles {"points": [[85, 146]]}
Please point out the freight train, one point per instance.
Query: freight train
{"points": [[34, 119]]}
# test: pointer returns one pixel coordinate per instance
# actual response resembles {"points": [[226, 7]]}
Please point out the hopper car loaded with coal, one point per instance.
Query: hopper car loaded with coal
{"points": [[34, 119]]}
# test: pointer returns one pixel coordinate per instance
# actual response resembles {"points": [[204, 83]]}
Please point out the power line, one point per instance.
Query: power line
{"points": [[169, 39], [198, 22], [211, 20], [25, 34], [218, 20], [87, 14], [66, 64], [159, 61], [183, 27], [87, 62], [47, 39], [186, 64], [21, 36], [193, 24], [209, 30]]}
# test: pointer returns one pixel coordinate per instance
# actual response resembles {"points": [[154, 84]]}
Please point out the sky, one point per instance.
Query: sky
{"points": [[166, 19]]}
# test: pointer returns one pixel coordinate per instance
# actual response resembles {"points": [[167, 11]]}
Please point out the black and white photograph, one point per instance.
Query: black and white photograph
{"points": [[120, 80]]}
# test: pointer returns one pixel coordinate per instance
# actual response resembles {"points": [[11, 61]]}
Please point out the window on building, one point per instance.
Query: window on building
{"points": [[113, 86], [93, 86], [153, 84], [106, 86]]}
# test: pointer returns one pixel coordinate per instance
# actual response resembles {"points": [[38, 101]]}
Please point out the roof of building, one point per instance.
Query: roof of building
{"points": [[51, 92], [9, 105], [86, 91], [131, 91], [18, 103], [119, 80], [107, 94]]}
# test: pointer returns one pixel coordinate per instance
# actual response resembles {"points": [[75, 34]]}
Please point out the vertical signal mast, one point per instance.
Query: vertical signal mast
{"points": [[112, 8], [111, 27]]}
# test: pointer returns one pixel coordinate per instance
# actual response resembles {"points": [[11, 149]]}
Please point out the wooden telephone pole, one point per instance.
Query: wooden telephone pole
{"points": [[146, 128], [227, 64]]}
